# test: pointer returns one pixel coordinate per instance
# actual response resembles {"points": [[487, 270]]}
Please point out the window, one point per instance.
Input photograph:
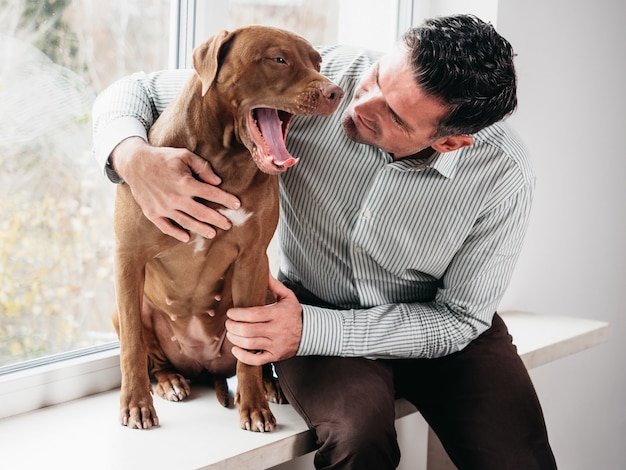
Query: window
{"points": [[56, 291], [368, 23], [56, 274]]}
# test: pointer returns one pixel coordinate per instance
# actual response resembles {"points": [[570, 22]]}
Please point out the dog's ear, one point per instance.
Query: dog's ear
{"points": [[206, 58]]}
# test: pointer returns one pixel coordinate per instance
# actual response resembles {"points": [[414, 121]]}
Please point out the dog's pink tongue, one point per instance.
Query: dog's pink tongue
{"points": [[271, 128]]}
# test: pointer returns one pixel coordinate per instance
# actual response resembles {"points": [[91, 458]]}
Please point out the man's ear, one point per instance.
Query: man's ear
{"points": [[451, 143]]}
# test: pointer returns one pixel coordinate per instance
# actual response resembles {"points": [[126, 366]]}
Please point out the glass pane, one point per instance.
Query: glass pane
{"points": [[366, 23], [56, 284]]}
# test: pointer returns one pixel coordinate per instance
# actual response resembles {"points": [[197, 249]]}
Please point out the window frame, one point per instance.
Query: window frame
{"points": [[31, 385]]}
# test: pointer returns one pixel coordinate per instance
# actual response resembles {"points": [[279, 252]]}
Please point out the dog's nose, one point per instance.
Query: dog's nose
{"points": [[333, 94]]}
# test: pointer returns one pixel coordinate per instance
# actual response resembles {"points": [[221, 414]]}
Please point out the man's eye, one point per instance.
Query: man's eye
{"points": [[397, 119]]}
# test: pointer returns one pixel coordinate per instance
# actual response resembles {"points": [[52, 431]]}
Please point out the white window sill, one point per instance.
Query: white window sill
{"points": [[60, 381], [195, 433]]}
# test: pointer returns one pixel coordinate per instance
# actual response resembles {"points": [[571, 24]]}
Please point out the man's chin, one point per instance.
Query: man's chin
{"points": [[350, 129]]}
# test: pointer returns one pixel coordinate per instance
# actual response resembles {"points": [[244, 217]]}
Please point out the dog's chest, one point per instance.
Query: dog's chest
{"points": [[199, 342], [195, 343]]}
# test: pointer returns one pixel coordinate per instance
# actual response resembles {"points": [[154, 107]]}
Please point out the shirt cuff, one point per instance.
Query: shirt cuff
{"points": [[109, 138], [322, 332]]}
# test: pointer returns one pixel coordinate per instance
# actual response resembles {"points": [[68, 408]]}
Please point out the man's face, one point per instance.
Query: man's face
{"points": [[390, 111]]}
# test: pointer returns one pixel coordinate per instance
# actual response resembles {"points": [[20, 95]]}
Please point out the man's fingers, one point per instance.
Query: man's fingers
{"points": [[180, 226], [204, 173], [248, 314], [252, 358], [165, 226], [252, 351], [197, 217], [193, 225], [277, 288], [214, 194], [203, 169], [258, 343]]}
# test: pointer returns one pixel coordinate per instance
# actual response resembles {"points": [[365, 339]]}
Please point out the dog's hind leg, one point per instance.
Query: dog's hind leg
{"points": [[273, 392], [171, 385], [221, 391]]}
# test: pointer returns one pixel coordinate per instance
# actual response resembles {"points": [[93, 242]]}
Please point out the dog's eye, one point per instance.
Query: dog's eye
{"points": [[280, 60]]}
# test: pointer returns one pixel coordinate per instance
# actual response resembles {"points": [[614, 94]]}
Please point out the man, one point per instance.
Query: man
{"points": [[399, 231]]}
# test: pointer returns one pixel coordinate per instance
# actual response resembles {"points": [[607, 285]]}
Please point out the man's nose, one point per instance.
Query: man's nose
{"points": [[368, 101]]}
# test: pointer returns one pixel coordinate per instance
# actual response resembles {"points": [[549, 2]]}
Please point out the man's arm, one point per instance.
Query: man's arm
{"points": [[463, 308], [164, 181]]}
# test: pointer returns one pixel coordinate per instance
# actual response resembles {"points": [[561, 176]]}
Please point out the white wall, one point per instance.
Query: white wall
{"points": [[367, 23], [572, 114]]}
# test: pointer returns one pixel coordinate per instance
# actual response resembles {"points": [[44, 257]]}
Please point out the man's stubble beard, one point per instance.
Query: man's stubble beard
{"points": [[349, 128]]}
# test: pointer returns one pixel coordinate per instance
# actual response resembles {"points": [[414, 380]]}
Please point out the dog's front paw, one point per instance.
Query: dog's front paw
{"points": [[256, 419], [138, 412], [172, 386], [255, 414]]}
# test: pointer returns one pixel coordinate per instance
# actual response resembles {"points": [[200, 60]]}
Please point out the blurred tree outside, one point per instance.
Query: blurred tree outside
{"points": [[315, 20], [56, 241]]}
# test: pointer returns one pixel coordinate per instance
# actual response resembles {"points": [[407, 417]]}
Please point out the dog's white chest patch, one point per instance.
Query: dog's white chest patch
{"points": [[199, 244], [237, 217]]}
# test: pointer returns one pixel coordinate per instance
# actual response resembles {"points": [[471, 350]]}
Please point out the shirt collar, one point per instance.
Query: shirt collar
{"points": [[444, 163]]}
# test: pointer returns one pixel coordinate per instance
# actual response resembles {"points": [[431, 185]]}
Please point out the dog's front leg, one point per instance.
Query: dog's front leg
{"points": [[136, 405], [250, 289]]}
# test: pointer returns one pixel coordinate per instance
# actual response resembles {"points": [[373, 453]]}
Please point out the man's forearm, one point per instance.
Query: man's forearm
{"points": [[128, 108], [419, 330], [120, 112]]}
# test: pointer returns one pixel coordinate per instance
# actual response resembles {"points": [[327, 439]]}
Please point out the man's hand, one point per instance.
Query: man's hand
{"points": [[164, 182], [268, 333]]}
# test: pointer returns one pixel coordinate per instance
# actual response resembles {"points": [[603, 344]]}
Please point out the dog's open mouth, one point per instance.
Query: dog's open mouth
{"points": [[267, 128]]}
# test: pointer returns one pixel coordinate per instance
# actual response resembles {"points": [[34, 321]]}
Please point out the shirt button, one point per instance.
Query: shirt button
{"points": [[366, 214]]}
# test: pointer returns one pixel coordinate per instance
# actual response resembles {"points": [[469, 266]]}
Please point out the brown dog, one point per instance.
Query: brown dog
{"points": [[172, 297]]}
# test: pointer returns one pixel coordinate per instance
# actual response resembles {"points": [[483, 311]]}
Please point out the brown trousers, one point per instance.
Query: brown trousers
{"points": [[480, 402]]}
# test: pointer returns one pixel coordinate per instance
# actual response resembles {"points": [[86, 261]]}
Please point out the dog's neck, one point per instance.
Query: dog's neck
{"points": [[219, 144]]}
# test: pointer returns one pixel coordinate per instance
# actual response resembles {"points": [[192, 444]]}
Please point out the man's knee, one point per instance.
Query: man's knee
{"points": [[357, 444]]}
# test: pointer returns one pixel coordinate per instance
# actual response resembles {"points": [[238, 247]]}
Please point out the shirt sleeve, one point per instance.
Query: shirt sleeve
{"points": [[128, 108], [463, 308]]}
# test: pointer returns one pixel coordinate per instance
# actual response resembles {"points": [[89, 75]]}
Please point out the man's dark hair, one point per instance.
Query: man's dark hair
{"points": [[464, 62]]}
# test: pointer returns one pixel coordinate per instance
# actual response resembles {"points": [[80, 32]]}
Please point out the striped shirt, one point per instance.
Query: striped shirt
{"points": [[416, 257]]}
